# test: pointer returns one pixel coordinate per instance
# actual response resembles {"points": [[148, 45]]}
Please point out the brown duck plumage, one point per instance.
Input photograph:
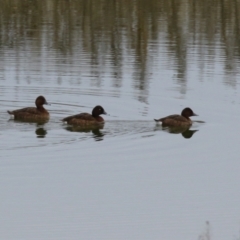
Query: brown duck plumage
{"points": [[86, 119], [178, 120], [32, 113]]}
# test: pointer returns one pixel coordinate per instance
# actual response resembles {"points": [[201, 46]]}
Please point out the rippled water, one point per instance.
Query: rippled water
{"points": [[130, 179]]}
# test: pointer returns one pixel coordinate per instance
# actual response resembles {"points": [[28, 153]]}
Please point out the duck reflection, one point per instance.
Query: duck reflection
{"points": [[37, 121], [95, 130], [185, 131], [40, 131]]}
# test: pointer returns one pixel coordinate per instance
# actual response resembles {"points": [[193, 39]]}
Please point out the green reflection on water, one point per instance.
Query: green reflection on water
{"points": [[105, 27]]}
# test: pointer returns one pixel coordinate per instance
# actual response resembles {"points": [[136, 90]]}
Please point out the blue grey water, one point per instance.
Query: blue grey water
{"points": [[131, 179]]}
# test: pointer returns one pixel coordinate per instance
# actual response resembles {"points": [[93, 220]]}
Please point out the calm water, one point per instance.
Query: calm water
{"points": [[131, 179]]}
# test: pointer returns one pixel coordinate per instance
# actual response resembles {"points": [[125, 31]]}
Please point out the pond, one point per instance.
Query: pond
{"points": [[130, 179]]}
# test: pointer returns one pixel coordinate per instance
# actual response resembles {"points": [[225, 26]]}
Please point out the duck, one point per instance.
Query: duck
{"points": [[176, 120], [32, 113], [87, 119]]}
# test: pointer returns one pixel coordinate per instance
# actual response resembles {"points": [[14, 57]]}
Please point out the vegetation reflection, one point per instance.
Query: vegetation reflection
{"points": [[101, 28]]}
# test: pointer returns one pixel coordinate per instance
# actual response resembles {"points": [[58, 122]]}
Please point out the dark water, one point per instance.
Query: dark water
{"points": [[131, 179]]}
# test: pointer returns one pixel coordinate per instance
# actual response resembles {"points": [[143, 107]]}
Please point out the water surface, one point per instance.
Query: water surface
{"points": [[130, 179]]}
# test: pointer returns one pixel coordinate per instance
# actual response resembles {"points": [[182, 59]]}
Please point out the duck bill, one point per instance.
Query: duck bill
{"points": [[194, 114], [104, 113], [46, 103]]}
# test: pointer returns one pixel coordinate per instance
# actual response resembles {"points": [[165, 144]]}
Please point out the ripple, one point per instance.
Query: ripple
{"points": [[56, 133]]}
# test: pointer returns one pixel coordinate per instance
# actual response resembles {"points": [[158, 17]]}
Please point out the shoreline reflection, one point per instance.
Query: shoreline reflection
{"points": [[81, 30]]}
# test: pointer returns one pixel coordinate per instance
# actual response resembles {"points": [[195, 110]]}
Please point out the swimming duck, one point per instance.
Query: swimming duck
{"points": [[178, 120], [87, 119], [32, 113]]}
